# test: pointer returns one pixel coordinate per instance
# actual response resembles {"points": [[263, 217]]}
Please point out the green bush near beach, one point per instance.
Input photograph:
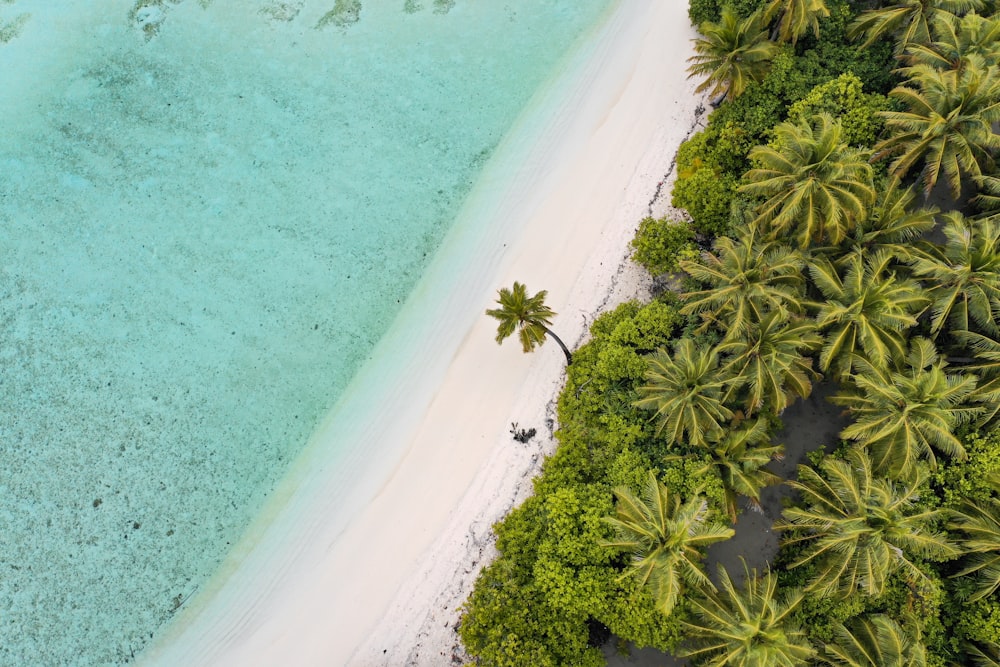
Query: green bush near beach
{"points": [[554, 585], [700, 11], [844, 99], [659, 245]]}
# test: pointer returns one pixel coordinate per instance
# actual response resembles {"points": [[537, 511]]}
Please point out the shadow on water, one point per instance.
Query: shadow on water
{"points": [[808, 425]]}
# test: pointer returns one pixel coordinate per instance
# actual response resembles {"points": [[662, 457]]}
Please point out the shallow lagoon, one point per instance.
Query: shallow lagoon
{"points": [[209, 213]]}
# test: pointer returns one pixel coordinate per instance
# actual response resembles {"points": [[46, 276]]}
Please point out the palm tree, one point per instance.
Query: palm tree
{"points": [[947, 125], [988, 198], [738, 456], [869, 309], [986, 365], [965, 275], [816, 185], [985, 350], [906, 415], [686, 391], [858, 528], [893, 226], [907, 20], [751, 627], [529, 316], [731, 53], [666, 538], [747, 278], [958, 41], [980, 521], [876, 641], [986, 654], [767, 363], [796, 17]]}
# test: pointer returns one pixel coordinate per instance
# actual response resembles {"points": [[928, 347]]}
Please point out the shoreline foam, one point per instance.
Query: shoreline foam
{"points": [[328, 577]]}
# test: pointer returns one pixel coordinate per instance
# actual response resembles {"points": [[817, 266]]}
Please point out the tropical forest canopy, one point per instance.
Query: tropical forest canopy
{"points": [[841, 228]]}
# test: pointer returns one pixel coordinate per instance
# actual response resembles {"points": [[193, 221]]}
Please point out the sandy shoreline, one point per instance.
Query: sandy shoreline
{"points": [[362, 560]]}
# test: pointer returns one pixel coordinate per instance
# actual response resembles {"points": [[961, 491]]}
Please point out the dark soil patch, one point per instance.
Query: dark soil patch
{"points": [[808, 426]]}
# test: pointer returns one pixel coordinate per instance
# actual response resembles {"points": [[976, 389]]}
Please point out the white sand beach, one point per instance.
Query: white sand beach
{"points": [[362, 559]]}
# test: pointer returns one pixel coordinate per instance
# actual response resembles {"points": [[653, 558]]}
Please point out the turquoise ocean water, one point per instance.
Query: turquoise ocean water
{"points": [[210, 211]]}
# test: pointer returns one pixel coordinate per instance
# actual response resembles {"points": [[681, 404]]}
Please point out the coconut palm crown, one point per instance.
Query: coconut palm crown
{"points": [[867, 309], [965, 275], [859, 528], [947, 125], [685, 389], [909, 21], [795, 17], [980, 522], [903, 416], [748, 627], [746, 278], [893, 226], [957, 42], [666, 538], [769, 365], [817, 188], [739, 456], [527, 315], [731, 54], [875, 641]]}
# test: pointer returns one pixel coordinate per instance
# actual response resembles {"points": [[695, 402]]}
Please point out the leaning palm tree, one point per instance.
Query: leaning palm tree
{"points": [[965, 275], [858, 528], [816, 186], [768, 365], [746, 278], [957, 42], [795, 17], [875, 641], [666, 539], [528, 315], [893, 226], [731, 54], [906, 20], [869, 309], [738, 456], [907, 415], [685, 390], [980, 521], [947, 125], [752, 627]]}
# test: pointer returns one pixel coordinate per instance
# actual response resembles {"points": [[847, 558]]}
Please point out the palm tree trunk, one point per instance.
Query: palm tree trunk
{"points": [[569, 357]]}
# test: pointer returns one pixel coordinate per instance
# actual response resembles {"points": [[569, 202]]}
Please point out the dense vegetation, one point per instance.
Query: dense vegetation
{"points": [[822, 259]]}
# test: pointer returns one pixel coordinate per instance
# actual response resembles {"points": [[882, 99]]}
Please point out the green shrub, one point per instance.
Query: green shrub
{"points": [[723, 146], [833, 54], [700, 11], [976, 477], [600, 385], [706, 196], [978, 621], [844, 99], [660, 244]]}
